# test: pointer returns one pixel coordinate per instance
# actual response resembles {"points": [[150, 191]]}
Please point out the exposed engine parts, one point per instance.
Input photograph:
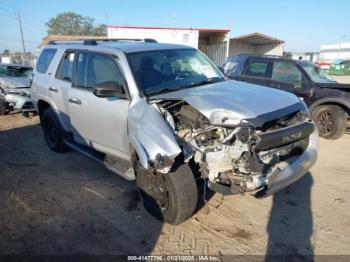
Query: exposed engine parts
{"points": [[236, 158]]}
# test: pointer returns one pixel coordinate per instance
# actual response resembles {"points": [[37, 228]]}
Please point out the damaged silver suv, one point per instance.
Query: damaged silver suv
{"points": [[164, 115]]}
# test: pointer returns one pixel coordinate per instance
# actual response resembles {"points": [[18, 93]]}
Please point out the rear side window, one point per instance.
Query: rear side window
{"points": [[45, 60], [287, 72], [94, 69], [257, 68], [65, 69]]}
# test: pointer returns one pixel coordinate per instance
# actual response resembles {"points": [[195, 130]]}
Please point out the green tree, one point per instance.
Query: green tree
{"points": [[6, 52], [70, 23]]}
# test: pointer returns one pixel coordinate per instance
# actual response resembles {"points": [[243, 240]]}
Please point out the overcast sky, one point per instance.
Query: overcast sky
{"points": [[303, 24]]}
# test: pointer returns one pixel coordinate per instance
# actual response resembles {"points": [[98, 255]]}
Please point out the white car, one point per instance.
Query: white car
{"points": [[14, 88], [164, 115]]}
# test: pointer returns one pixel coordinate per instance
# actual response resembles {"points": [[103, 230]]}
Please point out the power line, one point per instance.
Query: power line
{"points": [[13, 9], [6, 38]]}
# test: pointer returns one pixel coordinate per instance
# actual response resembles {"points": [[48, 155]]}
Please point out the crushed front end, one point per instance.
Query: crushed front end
{"points": [[241, 157]]}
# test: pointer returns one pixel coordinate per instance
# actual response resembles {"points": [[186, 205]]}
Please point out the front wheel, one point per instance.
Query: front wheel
{"points": [[331, 121], [170, 197]]}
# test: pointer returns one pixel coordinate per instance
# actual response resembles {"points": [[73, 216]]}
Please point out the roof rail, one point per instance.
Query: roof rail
{"points": [[95, 41], [264, 56]]}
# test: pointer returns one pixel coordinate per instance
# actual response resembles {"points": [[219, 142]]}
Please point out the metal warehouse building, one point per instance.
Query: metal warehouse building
{"points": [[213, 42], [328, 53], [256, 43]]}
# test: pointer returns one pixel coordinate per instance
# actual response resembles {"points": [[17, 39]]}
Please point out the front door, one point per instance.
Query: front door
{"points": [[256, 72], [98, 122]]}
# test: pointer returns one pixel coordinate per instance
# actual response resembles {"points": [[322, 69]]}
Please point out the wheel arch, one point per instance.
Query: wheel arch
{"points": [[137, 152], [42, 105], [331, 101]]}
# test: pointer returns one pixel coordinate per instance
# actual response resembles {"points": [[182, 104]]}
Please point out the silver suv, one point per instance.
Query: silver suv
{"points": [[164, 115]]}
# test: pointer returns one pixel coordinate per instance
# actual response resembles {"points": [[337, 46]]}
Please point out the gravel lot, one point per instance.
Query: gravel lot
{"points": [[68, 204]]}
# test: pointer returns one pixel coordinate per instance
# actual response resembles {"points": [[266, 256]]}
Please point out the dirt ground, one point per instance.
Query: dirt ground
{"points": [[342, 79], [68, 204]]}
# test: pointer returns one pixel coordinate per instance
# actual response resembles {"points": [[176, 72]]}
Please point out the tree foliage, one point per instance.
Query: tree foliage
{"points": [[70, 23], [6, 52]]}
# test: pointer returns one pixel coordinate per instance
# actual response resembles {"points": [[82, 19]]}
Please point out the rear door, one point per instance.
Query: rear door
{"points": [[61, 83], [286, 76], [256, 71], [98, 122]]}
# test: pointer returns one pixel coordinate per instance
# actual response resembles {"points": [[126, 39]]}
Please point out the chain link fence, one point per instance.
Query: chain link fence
{"points": [[19, 58]]}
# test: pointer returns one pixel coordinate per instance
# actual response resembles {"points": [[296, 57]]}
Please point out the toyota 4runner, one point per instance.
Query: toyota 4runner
{"points": [[164, 115]]}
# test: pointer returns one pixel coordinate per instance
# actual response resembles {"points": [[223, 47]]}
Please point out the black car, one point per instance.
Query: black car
{"points": [[328, 101]]}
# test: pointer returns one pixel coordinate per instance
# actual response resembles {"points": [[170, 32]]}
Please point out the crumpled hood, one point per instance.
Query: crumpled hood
{"points": [[14, 82], [236, 101]]}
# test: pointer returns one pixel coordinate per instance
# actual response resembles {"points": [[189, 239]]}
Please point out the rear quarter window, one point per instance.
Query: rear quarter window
{"points": [[45, 59]]}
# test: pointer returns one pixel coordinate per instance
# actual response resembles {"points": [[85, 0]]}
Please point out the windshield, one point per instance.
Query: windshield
{"points": [[169, 70], [316, 73], [13, 71]]}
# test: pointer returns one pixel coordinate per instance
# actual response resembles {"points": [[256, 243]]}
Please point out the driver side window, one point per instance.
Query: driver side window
{"points": [[94, 69]]}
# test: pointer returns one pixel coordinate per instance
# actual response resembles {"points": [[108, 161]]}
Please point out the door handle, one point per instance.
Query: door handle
{"points": [[74, 101], [275, 85], [53, 89]]}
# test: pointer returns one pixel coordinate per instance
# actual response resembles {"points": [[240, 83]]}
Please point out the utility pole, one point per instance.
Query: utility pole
{"points": [[339, 44], [21, 31], [107, 23]]}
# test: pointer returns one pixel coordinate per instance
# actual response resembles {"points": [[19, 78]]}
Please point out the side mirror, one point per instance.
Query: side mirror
{"points": [[221, 70], [109, 89]]}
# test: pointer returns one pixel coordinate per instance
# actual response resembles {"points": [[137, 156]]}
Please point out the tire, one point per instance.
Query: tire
{"points": [[331, 121], [178, 198], [2, 105], [54, 133]]}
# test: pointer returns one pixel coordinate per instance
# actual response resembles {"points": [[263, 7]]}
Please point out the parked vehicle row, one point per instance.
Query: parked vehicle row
{"points": [[165, 116], [14, 89], [340, 67], [328, 101]]}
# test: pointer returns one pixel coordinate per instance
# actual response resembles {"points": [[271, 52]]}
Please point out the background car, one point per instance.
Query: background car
{"points": [[340, 67], [324, 65], [14, 88], [328, 101]]}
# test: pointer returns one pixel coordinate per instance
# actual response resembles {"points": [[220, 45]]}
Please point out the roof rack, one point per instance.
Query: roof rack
{"points": [[96, 40]]}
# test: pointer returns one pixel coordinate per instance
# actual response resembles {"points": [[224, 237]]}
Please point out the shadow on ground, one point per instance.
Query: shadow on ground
{"points": [[66, 203], [290, 223]]}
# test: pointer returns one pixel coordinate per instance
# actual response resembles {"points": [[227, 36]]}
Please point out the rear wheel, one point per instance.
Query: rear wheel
{"points": [[54, 133], [170, 197], [331, 121]]}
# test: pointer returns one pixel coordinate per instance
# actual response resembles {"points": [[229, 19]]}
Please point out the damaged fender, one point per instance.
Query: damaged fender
{"points": [[152, 138]]}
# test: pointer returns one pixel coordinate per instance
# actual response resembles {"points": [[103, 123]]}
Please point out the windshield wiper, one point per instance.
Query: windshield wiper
{"points": [[166, 89]]}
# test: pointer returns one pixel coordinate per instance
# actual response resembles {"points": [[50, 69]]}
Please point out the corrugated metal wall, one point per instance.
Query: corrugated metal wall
{"points": [[217, 52]]}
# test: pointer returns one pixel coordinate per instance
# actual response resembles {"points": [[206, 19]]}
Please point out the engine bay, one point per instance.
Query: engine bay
{"points": [[234, 157]]}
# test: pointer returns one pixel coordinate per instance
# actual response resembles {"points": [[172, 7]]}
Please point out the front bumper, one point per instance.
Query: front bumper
{"points": [[18, 102], [285, 174]]}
